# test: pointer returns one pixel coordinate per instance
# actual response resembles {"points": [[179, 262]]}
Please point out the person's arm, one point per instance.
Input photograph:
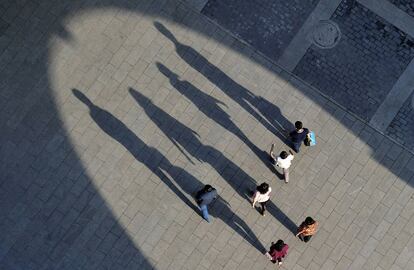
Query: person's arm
{"points": [[302, 229], [299, 233], [254, 198], [215, 195], [271, 151]]}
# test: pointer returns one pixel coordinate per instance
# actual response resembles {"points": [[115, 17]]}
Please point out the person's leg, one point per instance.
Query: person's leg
{"points": [[286, 174], [296, 146], [307, 238], [263, 204], [279, 261], [204, 212]]}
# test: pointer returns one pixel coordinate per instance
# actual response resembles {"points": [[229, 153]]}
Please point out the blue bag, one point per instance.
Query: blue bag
{"points": [[312, 138]]}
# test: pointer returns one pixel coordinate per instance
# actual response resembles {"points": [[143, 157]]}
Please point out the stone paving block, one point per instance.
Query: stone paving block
{"points": [[335, 237], [366, 231], [405, 195], [408, 210], [369, 247], [403, 259], [317, 242], [307, 256], [331, 223], [322, 254], [393, 213], [322, 176], [328, 207]]}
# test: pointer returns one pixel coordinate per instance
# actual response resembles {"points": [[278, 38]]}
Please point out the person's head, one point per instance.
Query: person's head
{"points": [[298, 125], [263, 188], [208, 188], [309, 221], [283, 154], [279, 245]]}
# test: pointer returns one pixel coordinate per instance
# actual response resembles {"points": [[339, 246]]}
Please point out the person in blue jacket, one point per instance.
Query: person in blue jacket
{"points": [[298, 136], [204, 197]]}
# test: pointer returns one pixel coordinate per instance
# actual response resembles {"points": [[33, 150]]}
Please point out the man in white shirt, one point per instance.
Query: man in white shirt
{"points": [[284, 160]]}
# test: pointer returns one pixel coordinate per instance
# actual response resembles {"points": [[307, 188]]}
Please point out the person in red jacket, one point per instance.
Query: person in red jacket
{"points": [[277, 251]]}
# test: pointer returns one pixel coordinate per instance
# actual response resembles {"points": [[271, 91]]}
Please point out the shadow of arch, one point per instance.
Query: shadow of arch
{"points": [[41, 173]]}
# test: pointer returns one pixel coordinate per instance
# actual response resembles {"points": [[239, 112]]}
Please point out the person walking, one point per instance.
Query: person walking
{"points": [[277, 252], [298, 136], [307, 229], [262, 196], [284, 160], [204, 197]]}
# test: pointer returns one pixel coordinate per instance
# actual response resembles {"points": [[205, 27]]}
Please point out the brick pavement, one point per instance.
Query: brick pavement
{"points": [[400, 128], [405, 5], [103, 178], [366, 73], [268, 26], [361, 70]]}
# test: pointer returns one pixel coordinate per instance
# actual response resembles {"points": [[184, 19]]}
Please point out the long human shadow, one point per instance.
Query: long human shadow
{"points": [[270, 115], [235, 176], [210, 107], [154, 160]]}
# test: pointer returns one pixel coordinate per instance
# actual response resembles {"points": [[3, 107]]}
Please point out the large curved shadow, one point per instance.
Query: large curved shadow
{"points": [[52, 214]]}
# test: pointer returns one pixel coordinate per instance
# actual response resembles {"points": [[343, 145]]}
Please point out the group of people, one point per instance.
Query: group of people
{"points": [[279, 249], [261, 195]]}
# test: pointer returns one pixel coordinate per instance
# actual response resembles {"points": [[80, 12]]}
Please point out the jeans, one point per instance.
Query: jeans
{"points": [[296, 146], [204, 212]]}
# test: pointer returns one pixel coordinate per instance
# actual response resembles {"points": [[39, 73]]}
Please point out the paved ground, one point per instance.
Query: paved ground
{"points": [[401, 127], [359, 73], [114, 113], [405, 5], [268, 26], [361, 70]]}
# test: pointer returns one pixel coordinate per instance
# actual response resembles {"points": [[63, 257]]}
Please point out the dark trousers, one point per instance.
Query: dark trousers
{"points": [[263, 204], [296, 146], [305, 238]]}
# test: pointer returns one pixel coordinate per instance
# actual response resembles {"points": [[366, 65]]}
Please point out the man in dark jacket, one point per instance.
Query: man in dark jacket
{"points": [[298, 136], [204, 197]]}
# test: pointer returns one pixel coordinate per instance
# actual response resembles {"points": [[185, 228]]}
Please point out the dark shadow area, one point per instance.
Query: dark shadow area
{"points": [[235, 176], [149, 156], [159, 165], [281, 217], [210, 107], [270, 115]]}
